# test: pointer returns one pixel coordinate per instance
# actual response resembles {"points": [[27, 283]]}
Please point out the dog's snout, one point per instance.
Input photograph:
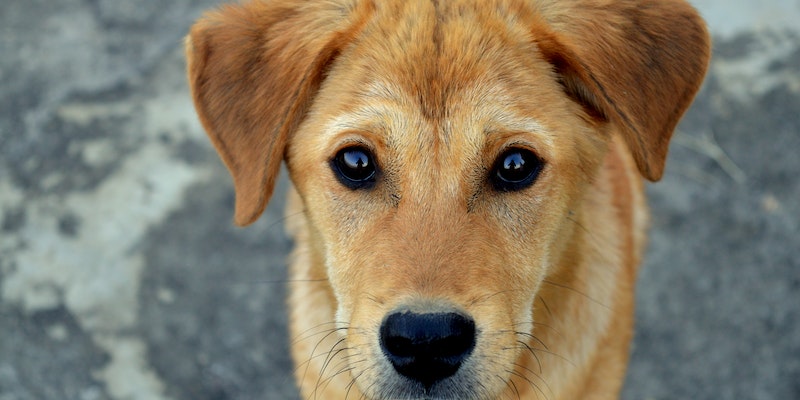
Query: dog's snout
{"points": [[427, 348]]}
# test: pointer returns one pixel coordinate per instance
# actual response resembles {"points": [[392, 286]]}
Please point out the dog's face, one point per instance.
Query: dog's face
{"points": [[435, 189], [439, 149]]}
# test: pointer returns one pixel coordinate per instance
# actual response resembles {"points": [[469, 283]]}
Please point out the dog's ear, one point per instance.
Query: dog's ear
{"points": [[253, 70], [635, 63]]}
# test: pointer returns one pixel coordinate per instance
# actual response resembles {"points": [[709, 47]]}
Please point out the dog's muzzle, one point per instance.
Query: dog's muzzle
{"points": [[427, 348]]}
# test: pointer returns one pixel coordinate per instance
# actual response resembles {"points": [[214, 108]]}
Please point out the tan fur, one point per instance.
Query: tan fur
{"points": [[437, 89]]}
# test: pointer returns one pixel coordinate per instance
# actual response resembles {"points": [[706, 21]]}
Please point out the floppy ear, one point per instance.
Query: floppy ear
{"points": [[635, 63], [253, 70]]}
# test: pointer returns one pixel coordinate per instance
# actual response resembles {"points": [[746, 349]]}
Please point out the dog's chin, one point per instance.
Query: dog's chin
{"points": [[394, 386], [467, 384]]}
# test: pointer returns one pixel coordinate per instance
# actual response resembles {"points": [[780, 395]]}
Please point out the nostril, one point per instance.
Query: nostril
{"points": [[427, 347]]}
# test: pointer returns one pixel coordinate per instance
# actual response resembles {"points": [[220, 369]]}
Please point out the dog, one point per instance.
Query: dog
{"points": [[467, 179]]}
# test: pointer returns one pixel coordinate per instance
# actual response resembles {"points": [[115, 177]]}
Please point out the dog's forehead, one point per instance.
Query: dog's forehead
{"points": [[435, 51], [458, 70]]}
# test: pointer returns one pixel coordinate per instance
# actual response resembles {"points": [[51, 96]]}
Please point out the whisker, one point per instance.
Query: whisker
{"points": [[532, 383], [300, 338], [352, 382], [277, 281], [251, 282], [589, 233], [543, 325], [548, 352], [532, 337], [533, 353], [549, 389], [576, 291], [483, 390], [327, 381], [283, 219], [330, 356], [489, 296], [346, 360], [510, 383], [546, 307], [343, 366], [314, 350]]}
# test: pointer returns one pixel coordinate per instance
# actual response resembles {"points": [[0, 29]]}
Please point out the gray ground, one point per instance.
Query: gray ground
{"points": [[121, 276]]}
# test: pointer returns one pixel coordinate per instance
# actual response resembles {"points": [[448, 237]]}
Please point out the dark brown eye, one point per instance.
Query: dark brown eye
{"points": [[355, 167], [515, 169]]}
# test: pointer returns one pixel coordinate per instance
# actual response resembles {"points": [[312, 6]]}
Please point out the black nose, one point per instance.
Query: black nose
{"points": [[427, 347]]}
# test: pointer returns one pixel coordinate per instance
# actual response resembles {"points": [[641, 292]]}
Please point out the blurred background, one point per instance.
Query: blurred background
{"points": [[122, 276]]}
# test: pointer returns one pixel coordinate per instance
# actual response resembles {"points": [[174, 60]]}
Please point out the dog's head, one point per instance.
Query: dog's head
{"points": [[439, 148]]}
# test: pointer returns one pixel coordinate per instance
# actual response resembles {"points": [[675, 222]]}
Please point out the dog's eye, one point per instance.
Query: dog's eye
{"points": [[515, 169], [355, 167]]}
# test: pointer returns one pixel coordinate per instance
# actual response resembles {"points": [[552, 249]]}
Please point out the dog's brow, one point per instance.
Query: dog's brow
{"points": [[368, 116], [510, 123], [531, 125], [362, 119]]}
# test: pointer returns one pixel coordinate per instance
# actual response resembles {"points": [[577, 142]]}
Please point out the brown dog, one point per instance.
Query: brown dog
{"points": [[467, 204]]}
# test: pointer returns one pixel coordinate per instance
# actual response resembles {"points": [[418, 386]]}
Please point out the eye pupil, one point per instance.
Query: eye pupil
{"points": [[354, 167], [516, 169], [355, 160], [514, 163]]}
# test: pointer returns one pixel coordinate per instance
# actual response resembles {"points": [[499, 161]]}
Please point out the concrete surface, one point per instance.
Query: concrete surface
{"points": [[122, 277]]}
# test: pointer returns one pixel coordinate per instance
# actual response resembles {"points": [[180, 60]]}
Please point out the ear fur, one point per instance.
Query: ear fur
{"points": [[253, 69], [635, 63]]}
